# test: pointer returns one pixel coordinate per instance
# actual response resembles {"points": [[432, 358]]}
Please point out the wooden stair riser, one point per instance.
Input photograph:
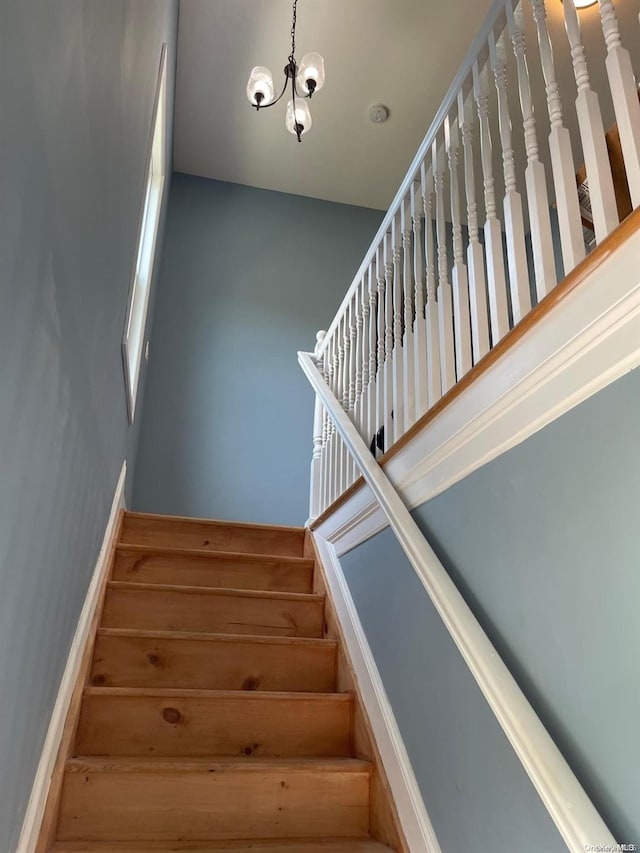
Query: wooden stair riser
{"points": [[198, 609], [169, 532], [148, 565], [350, 845], [137, 659], [179, 723], [213, 801]]}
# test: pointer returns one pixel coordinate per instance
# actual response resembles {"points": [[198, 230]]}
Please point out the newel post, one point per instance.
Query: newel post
{"points": [[315, 496]]}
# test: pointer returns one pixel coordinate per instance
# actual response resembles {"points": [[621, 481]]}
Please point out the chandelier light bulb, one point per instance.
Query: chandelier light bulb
{"points": [[302, 117], [582, 4], [311, 73], [260, 86]]}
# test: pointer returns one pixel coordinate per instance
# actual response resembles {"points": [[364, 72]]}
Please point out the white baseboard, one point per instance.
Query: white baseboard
{"points": [[412, 813], [589, 339], [40, 791]]}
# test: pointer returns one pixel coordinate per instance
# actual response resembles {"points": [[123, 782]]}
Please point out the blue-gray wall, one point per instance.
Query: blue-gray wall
{"points": [[77, 88], [248, 277], [544, 543]]}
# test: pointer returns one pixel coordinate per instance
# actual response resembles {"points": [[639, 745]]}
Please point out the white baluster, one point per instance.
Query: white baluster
{"points": [[625, 97], [445, 299], [562, 163], [329, 485], [381, 376], [513, 215], [535, 181], [461, 316], [475, 255], [496, 278], [398, 360], [408, 357], [364, 346], [373, 334], [419, 325], [594, 146], [353, 354], [339, 380], [315, 497], [434, 381], [358, 407], [389, 373]]}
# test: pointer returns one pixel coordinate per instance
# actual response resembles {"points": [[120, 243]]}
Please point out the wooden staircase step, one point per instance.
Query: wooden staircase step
{"points": [[168, 531], [167, 607], [279, 845], [136, 799], [130, 658], [148, 564], [130, 722]]}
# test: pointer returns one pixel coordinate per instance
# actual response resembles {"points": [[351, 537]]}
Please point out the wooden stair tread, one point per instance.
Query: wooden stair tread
{"points": [[203, 636], [146, 588], [209, 609], [197, 567], [161, 659], [282, 845], [211, 534], [153, 764], [239, 695], [142, 722]]}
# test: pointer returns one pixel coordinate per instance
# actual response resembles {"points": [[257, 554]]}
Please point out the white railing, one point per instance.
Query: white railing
{"points": [[574, 815], [467, 246]]}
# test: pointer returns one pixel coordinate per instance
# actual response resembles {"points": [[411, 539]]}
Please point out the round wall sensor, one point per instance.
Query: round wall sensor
{"points": [[378, 113]]}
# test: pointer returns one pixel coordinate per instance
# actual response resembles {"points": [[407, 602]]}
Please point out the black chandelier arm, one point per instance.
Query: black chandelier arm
{"points": [[275, 101]]}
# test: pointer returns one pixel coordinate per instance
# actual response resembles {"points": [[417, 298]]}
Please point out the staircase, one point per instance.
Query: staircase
{"points": [[211, 719]]}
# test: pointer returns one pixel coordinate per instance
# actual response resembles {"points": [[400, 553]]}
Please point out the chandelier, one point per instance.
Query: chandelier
{"points": [[304, 80]]}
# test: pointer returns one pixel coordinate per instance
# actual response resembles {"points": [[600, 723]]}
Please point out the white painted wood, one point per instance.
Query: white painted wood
{"points": [[461, 311], [496, 277], [622, 83], [343, 394], [315, 497], [444, 294], [496, 10], [475, 257], [535, 180], [372, 343], [398, 419], [32, 822], [351, 367], [412, 813], [381, 332], [513, 216], [562, 163], [594, 146], [590, 339], [419, 323], [331, 487], [389, 371], [434, 382], [408, 374], [360, 301], [571, 810]]}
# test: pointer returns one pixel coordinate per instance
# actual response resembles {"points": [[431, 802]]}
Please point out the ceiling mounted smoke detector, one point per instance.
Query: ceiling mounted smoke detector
{"points": [[378, 113]]}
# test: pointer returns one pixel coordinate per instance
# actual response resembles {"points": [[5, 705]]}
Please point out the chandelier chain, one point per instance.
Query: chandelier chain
{"points": [[293, 31]]}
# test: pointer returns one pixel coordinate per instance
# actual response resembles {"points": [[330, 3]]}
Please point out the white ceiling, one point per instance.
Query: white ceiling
{"points": [[403, 53]]}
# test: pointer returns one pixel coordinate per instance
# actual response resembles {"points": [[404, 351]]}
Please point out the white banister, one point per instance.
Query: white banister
{"points": [[594, 146], [419, 326], [562, 163], [398, 395], [389, 373], [475, 256], [434, 383], [460, 282], [315, 497], [381, 412], [573, 813], [444, 295], [624, 92], [535, 180], [408, 358], [496, 277]]}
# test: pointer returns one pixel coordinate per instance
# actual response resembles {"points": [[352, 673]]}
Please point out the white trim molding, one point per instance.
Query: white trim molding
{"points": [[589, 339], [573, 813], [412, 813], [32, 822]]}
